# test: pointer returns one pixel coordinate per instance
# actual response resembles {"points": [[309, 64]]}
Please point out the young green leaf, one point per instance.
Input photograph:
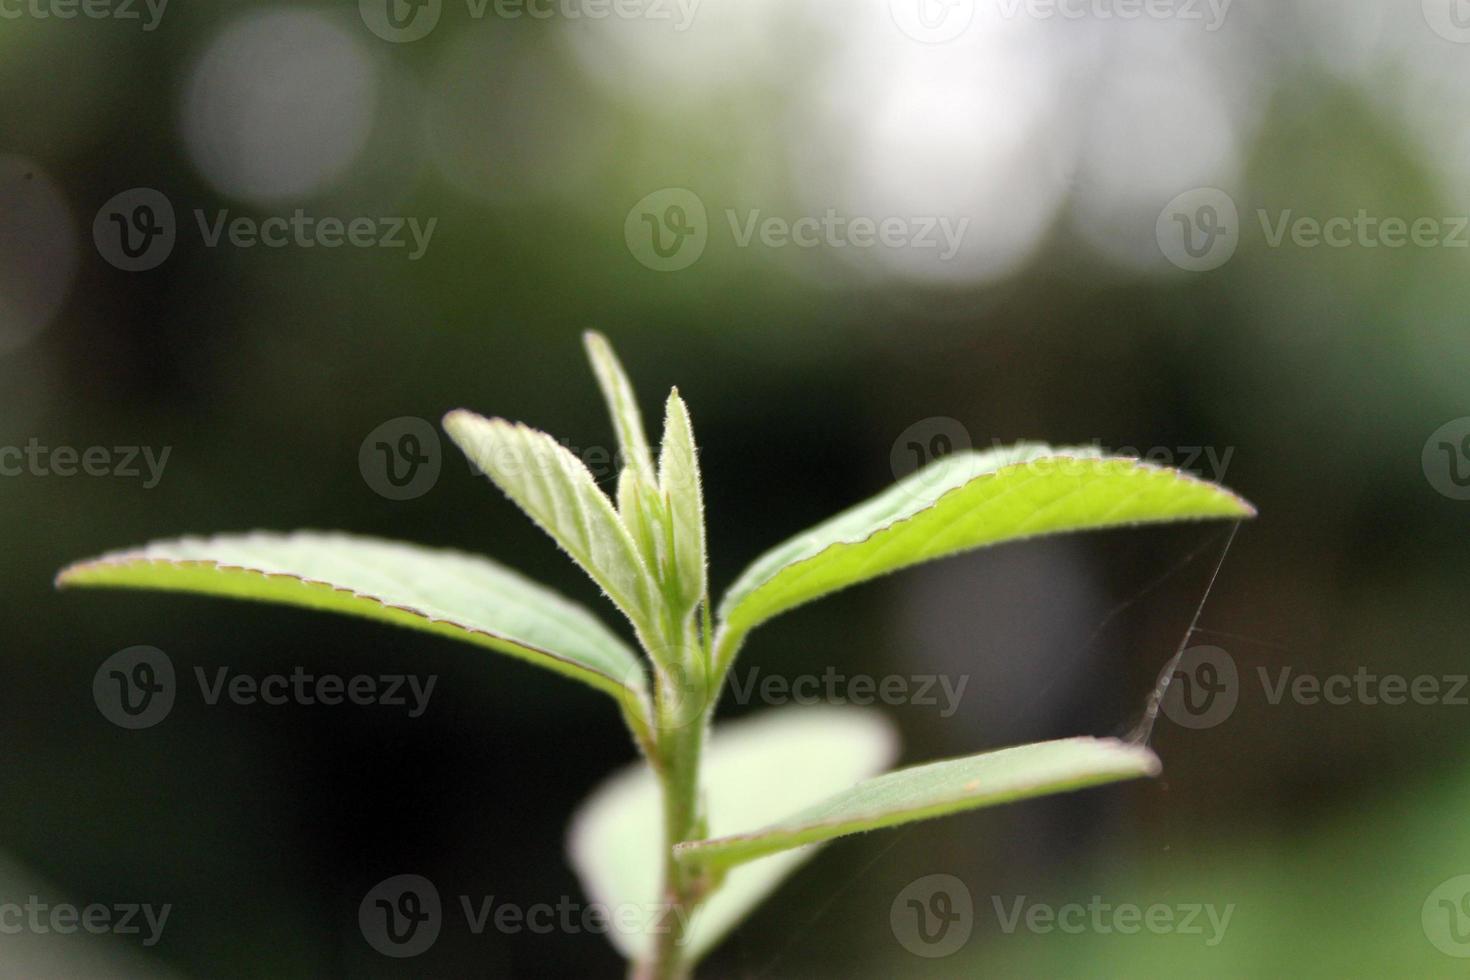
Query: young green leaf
{"points": [[967, 501], [933, 790], [622, 404], [556, 490], [462, 596], [678, 479], [643, 515], [755, 771]]}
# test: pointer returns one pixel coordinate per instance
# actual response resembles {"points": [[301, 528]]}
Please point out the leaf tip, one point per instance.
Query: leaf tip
{"points": [[1140, 757], [457, 418]]}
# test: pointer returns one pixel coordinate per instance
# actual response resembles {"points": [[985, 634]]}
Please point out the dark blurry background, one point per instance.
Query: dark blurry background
{"points": [[1077, 152]]}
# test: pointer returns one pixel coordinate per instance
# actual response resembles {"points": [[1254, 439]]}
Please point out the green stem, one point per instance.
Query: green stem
{"points": [[683, 717]]}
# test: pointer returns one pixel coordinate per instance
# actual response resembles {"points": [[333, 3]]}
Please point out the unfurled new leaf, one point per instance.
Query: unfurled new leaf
{"points": [[967, 501], [556, 490], [622, 403], [461, 596], [934, 790], [755, 771], [678, 480]]}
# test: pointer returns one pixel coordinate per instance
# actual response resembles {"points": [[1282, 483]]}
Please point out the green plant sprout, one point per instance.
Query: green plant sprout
{"points": [[709, 822]]}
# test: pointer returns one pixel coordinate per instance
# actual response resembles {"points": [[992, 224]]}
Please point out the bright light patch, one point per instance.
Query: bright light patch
{"points": [[279, 105], [38, 251]]}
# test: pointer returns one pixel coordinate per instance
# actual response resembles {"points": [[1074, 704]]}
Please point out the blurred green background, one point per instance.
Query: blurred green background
{"points": [[1320, 377]]}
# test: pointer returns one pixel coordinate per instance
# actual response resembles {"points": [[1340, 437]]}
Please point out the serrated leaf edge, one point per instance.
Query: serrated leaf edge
{"points": [[65, 579], [1248, 511], [875, 820]]}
